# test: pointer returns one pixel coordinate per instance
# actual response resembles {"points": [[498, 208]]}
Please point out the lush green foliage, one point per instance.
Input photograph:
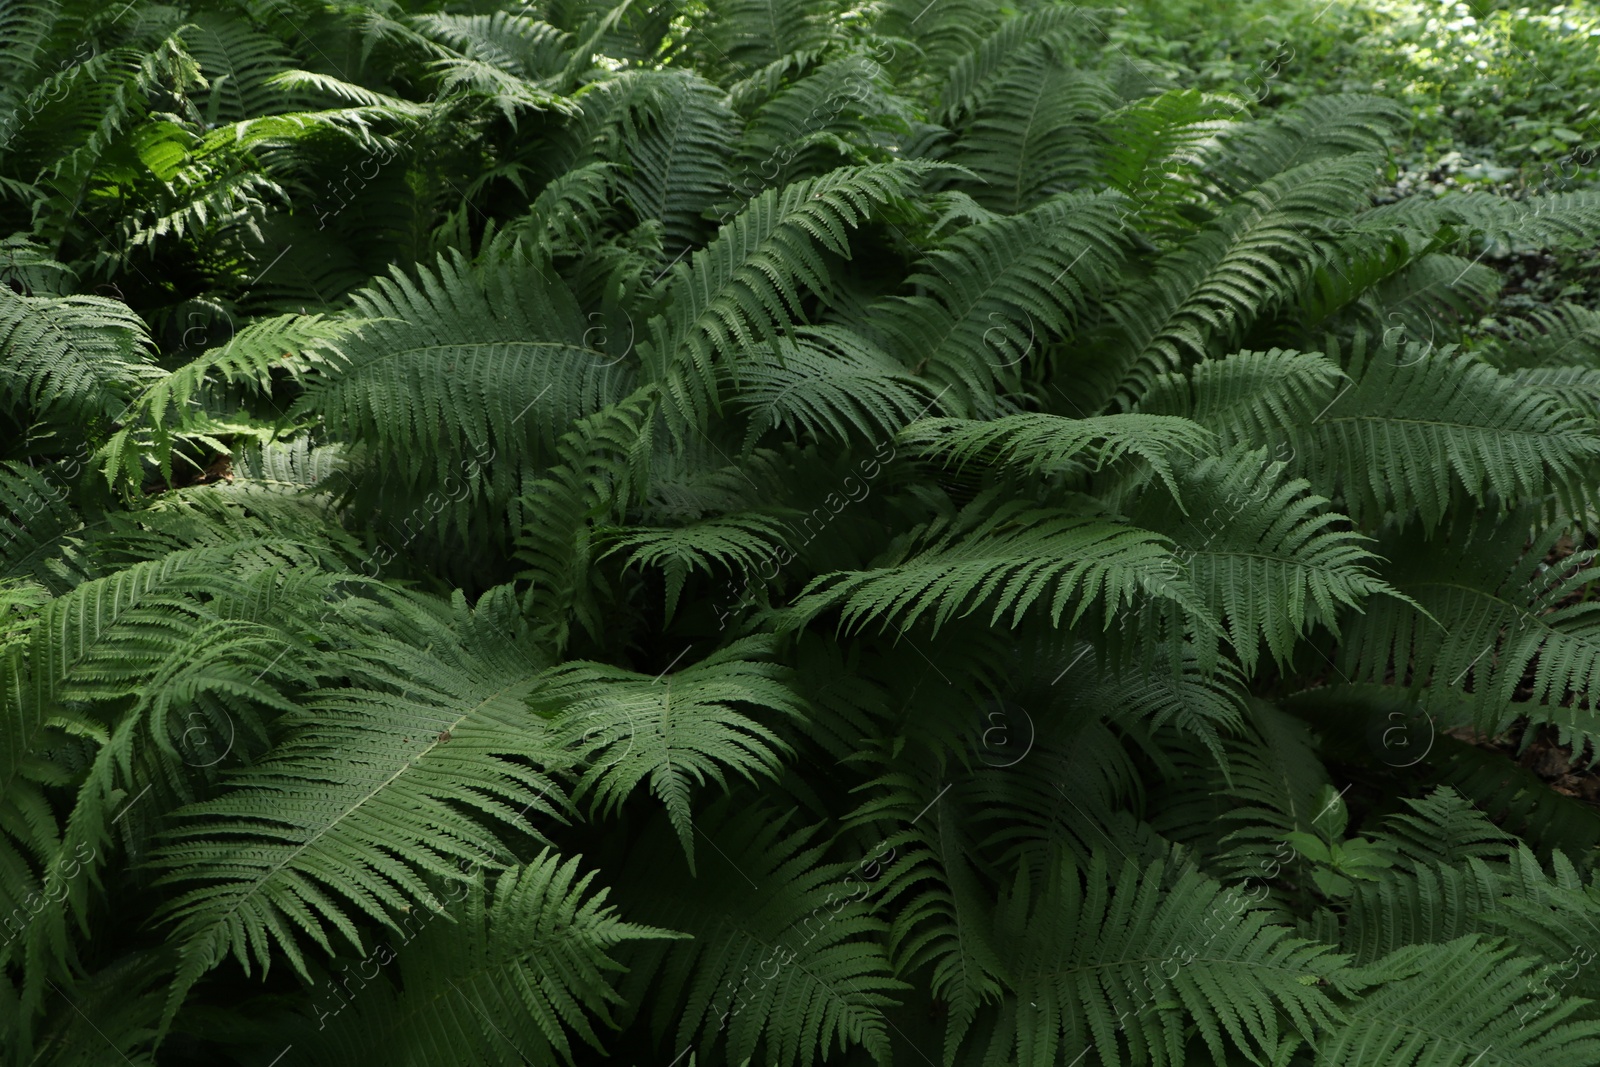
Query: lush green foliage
{"points": [[771, 532]]}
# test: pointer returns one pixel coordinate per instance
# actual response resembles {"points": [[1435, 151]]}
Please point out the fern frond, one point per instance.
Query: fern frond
{"points": [[1051, 445], [829, 116], [732, 543], [1011, 557], [1441, 1005], [1035, 132], [459, 361], [1155, 149], [523, 964], [974, 75], [673, 140], [73, 359], [1550, 336], [739, 289], [1514, 628], [799, 972], [160, 415], [1259, 255], [1256, 399], [996, 293], [1482, 435], [828, 381], [1079, 946], [374, 787], [1268, 556], [603, 461], [676, 730]]}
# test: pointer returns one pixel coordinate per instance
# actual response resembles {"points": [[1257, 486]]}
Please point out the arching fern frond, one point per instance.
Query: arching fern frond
{"points": [[1510, 616], [603, 460], [72, 360], [1256, 399], [828, 381], [1259, 255], [1267, 556], [1050, 445], [787, 959], [494, 361], [1035, 133], [376, 785], [1010, 556], [1490, 436]]}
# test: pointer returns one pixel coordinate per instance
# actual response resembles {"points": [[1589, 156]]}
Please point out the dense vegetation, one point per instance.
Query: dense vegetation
{"points": [[774, 532]]}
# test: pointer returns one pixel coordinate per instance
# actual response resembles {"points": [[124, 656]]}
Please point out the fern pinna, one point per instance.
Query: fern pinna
{"points": [[769, 534]]}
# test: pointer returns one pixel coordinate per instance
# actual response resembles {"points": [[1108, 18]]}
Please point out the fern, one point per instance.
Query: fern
{"points": [[1426, 1004], [1491, 437], [1103, 965], [443, 747], [1269, 558], [522, 963], [462, 362], [74, 358], [675, 729], [782, 532], [1003, 289], [1011, 557], [734, 291], [781, 958]]}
